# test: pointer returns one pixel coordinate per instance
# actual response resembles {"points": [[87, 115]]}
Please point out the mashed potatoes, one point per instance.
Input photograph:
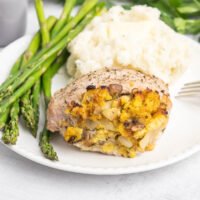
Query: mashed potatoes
{"points": [[134, 38]]}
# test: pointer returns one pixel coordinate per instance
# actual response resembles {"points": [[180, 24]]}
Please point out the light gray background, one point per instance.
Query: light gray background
{"points": [[21, 179]]}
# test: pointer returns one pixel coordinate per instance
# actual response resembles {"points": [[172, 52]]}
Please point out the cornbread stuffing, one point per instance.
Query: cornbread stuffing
{"points": [[112, 121]]}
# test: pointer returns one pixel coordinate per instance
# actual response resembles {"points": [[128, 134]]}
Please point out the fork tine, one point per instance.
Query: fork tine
{"points": [[187, 95], [187, 87], [192, 83], [189, 91]]}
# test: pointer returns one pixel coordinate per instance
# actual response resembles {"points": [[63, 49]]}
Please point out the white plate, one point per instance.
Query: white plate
{"points": [[180, 140]]}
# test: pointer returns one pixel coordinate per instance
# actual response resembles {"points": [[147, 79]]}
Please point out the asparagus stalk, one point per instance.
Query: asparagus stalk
{"points": [[44, 143], [49, 74], [11, 131], [35, 43], [27, 110], [15, 68], [5, 115], [13, 82], [35, 93], [16, 65], [4, 118], [50, 22], [45, 146], [42, 22], [69, 4], [35, 97], [27, 107], [28, 84], [52, 53], [85, 8], [31, 50]]}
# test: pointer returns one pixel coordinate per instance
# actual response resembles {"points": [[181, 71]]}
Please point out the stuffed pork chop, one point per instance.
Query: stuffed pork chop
{"points": [[113, 111]]}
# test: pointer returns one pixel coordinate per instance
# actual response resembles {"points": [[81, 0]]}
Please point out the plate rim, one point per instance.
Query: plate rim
{"points": [[100, 170]]}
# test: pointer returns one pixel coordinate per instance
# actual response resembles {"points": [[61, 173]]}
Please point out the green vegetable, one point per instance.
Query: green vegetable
{"points": [[175, 3], [11, 131], [48, 75], [35, 97], [189, 10], [187, 26], [41, 66], [42, 21], [27, 111], [29, 108], [35, 93], [13, 71], [27, 56], [5, 115], [78, 2], [69, 4], [46, 148], [45, 145], [3, 118], [54, 46]]}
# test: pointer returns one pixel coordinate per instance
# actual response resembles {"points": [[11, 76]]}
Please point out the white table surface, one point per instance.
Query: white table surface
{"points": [[21, 179]]}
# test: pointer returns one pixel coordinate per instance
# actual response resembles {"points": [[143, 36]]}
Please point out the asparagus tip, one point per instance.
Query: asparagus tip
{"points": [[49, 152], [10, 136]]}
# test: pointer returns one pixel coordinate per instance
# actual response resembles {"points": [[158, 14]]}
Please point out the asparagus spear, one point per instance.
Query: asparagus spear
{"points": [[85, 8], [13, 82], [16, 65], [69, 4], [15, 68], [42, 22], [4, 118], [44, 143], [35, 98], [31, 103], [45, 39], [11, 131], [27, 108], [12, 77], [51, 54], [48, 75], [45, 146], [5, 115]]}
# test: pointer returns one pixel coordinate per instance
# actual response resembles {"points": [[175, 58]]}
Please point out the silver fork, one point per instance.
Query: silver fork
{"points": [[189, 90]]}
